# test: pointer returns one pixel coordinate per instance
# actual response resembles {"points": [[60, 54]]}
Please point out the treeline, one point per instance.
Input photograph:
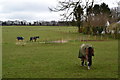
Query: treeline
{"points": [[36, 23]]}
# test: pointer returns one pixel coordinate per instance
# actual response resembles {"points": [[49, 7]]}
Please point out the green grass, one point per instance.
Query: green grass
{"points": [[55, 60]]}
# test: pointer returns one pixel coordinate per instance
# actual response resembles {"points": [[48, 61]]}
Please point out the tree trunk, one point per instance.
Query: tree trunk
{"points": [[79, 25], [79, 29]]}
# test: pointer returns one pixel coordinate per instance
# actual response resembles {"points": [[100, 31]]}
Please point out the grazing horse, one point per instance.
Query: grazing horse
{"points": [[85, 53], [34, 38], [20, 38]]}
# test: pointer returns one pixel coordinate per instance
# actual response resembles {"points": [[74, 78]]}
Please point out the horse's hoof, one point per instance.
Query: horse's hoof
{"points": [[88, 67]]}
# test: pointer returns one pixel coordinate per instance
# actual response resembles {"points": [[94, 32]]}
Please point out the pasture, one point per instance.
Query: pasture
{"points": [[55, 60]]}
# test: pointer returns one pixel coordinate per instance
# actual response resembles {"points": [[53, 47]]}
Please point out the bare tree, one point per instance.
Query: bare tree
{"points": [[74, 10]]}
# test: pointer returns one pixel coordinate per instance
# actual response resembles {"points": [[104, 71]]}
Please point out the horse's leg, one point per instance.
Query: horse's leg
{"points": [[89, 63], [82, 63], [32, 39], [35, 39], [85, 63]]}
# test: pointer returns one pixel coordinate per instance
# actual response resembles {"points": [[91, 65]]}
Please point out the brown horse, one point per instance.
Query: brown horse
{"points": [[86, 59]]}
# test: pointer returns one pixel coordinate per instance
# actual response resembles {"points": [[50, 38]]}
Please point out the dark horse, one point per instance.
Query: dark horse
{"points": [[87, 58], [20, 38], [34, 38]]}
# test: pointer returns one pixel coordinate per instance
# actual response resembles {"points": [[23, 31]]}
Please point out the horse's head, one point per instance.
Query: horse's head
{"points": [[90, 51]]}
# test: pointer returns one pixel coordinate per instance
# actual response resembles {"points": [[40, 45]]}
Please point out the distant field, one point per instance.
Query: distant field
{"points": [[55, 60]]}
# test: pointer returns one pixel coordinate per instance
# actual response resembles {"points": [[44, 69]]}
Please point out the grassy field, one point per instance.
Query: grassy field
{"points": [[55, 60]]}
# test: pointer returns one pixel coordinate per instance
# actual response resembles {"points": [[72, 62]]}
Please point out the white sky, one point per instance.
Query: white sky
{"points": [[32, 10]]}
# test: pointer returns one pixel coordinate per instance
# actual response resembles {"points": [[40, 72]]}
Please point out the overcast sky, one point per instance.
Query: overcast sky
{"points": [[32, 10]]}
